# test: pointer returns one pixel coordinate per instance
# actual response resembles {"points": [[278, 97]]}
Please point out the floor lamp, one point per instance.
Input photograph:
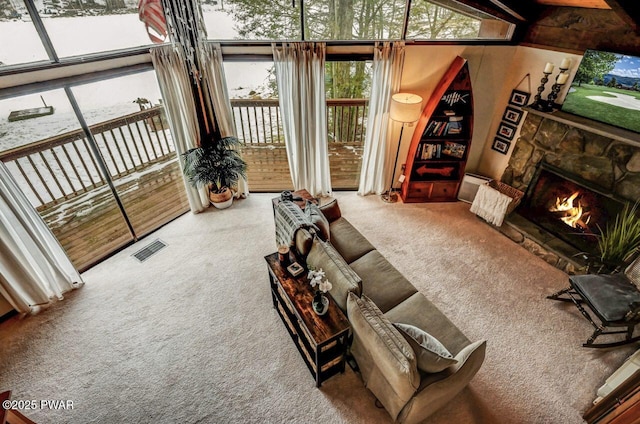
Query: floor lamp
{"points": [[405, 108]]}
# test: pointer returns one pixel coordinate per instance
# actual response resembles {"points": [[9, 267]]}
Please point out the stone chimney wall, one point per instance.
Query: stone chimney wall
{"points": [[610, 164]]}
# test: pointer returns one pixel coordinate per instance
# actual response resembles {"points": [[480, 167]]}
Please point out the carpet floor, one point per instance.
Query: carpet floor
{"points": [[190, 335]]}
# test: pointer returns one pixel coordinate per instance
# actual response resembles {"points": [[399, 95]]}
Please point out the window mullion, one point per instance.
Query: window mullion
{"points": [[42, 32], [405, 23]]}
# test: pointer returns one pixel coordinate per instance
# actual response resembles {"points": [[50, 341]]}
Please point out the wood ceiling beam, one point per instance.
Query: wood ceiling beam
{"points": [[523, 10], [515, 11], [628, 11], [487, 6]]}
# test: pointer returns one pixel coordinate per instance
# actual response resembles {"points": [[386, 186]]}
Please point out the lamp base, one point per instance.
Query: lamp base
{"points": [[389, 196]]}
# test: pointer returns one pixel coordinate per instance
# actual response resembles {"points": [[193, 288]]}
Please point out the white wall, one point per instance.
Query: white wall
{"points": [[495, 71]]}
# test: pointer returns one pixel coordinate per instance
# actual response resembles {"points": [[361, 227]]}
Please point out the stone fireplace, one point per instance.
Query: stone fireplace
{"points": [[568, 208], [556, 162]]}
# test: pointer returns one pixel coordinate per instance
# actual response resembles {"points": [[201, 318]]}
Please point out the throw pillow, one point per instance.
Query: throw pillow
{"points": [[431, 354], [337, 271], [317, 218], [331, 210]]}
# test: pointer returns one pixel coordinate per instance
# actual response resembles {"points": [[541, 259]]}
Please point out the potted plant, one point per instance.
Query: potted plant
{"points": [[619, 241], [217, 166]]}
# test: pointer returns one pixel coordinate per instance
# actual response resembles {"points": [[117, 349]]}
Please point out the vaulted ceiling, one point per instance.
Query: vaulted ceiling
{"points": [[530, 10], [571, 24]]}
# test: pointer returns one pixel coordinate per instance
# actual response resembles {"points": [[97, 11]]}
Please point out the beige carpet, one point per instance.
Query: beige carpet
{"points": [[190, 336]]}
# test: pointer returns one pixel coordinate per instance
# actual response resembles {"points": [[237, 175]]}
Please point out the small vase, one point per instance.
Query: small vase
{"points": [[320, 303]]}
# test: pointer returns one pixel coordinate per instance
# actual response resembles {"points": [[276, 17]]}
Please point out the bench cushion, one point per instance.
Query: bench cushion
{"points": [[384, 284]]}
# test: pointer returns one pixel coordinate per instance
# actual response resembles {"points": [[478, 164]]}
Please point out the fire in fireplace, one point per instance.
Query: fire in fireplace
{"points": [[570, 211], [568, 207]]}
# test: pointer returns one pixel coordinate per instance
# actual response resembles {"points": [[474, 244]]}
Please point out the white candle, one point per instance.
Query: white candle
{"points": [[548, 68], [566, 63], [562, 78]]}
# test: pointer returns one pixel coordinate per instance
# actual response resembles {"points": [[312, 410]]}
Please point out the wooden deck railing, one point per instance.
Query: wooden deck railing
{"points": [[259, 128], [260, 121], [61, 167]]}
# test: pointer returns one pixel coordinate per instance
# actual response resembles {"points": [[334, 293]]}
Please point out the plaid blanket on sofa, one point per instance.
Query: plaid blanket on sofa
{"points": [[289, 219]]}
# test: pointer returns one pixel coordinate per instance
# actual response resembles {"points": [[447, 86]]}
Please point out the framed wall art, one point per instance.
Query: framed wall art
{"points": [[519, 98], [500, 145], [506, 131], [512, 115]]}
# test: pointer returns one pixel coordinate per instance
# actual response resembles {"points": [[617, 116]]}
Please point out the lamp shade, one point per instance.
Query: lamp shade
{"points": [[405, 107]]}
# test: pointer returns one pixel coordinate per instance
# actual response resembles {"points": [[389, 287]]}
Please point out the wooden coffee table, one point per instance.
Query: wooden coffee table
{"points": [[321, 340]]}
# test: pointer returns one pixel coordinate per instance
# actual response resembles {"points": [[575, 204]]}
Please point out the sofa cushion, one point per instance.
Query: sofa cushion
{"points": [[381, 282], [317, 218], [303, 242], [348, 241], [331, 210], [431, 355], [418, 311], [388, 364], [337, 271]]}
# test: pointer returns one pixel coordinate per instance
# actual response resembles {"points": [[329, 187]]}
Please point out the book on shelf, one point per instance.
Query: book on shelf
{"points": [[454, 149], [441, 128], [429, 151], [454, 125]]}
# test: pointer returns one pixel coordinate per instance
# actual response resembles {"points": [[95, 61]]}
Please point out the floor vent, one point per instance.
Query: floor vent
{"points": [[146, 252]]}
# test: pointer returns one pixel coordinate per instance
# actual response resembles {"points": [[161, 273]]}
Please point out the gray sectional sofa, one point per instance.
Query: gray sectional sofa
{"points": [[378, 301]]}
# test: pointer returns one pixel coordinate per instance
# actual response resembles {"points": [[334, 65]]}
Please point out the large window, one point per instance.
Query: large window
{"points": [[101, 191], [16, 25], [348, 87], [82, 27], [256, 112], [450, 20], [354, 20], [349, 20], [74, 27], [96, 30], [252, 19]]}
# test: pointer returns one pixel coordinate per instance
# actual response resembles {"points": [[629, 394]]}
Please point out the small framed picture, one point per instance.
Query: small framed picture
{"points": [[500, 145], [295, 269], [513, 116], [519, 98], [506, 131]]}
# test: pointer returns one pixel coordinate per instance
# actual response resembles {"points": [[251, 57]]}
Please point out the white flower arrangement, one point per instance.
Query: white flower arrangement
{"points": [[316, 278]]}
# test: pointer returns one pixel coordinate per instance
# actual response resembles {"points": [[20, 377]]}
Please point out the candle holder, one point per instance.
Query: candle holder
{"points": [[538, 103], [555, 89]]}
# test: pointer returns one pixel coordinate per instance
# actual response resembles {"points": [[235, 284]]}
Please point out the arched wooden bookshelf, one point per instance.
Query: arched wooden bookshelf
{"points": [[440, 145]]}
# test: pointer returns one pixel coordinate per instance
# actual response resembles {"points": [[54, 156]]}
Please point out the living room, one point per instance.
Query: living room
{"points": [[171, 339]]}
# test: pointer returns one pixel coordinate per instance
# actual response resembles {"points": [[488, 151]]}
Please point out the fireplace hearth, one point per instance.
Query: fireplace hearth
{"points": [[571, 209]]}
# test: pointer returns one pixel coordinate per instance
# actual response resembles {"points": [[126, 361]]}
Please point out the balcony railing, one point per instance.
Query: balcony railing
{"points": [[259, 128], [259, 121], [62, 167], [62, 178]]}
